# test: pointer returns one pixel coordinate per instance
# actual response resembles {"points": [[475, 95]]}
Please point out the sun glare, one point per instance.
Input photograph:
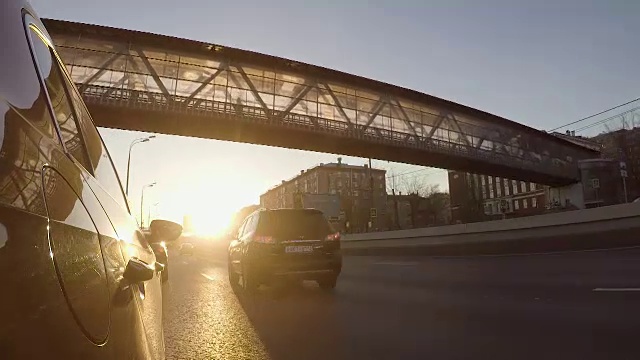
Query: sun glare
{"points": [[206, 204], [211, 222]]}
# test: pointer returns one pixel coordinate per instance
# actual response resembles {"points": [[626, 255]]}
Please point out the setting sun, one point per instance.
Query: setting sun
{"points": [[208, 203], [210, 222]]}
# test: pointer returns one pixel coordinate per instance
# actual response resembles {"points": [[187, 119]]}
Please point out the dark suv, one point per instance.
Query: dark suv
{"points": [[285, 244]]}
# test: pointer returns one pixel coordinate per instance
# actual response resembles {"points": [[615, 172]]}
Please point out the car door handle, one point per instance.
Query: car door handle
{"points": [[138, 271], [159, 266]]}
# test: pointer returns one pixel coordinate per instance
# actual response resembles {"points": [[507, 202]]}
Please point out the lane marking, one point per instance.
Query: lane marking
{"points": [[397, 263], [207, 276], [616, 289]]}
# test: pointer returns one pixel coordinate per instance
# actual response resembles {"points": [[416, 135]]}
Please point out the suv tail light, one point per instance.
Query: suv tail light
{"points": [[333, 237], [263, 239]]}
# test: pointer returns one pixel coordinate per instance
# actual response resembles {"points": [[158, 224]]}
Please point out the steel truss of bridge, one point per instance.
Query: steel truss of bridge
{"points": [[140, 81]]}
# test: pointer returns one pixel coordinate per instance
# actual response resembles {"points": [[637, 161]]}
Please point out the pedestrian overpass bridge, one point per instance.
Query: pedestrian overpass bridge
{"points": [[139, 81]]}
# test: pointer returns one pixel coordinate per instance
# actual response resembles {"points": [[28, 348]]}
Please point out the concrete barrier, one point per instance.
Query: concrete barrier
{"points": [[606, 227]]}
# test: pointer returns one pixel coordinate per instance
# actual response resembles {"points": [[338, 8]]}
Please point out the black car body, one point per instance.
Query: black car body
{"points": [[77, 275], [186, 249], [162, 256], [285, 244]]}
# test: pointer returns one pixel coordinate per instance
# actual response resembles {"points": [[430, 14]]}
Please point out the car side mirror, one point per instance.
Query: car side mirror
{"points": [[138, 271], [164, 230]]}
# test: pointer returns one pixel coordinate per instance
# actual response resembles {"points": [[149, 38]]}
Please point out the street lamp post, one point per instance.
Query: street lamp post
{"points": [[623, 175], [136, 141], [154, 205], [142, 203]]}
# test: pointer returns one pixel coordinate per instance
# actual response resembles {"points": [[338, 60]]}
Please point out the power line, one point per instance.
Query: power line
{"points": [[594, 115], [412, 172], [607, 119]]}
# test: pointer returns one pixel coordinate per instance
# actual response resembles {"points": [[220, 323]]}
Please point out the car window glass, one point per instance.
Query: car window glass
{"points": [[241, 229], [61, 106], [250, 227], [288, 225], [103, 169]]}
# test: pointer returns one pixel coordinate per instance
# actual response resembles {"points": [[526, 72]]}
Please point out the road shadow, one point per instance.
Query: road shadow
{"points": [[296, 320]]}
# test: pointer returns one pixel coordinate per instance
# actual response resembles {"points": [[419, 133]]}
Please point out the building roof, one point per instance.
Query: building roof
{"points": [[322, 166], [588, 143]]}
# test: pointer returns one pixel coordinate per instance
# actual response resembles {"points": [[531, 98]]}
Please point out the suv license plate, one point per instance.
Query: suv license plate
{"points": [[299, 249]]}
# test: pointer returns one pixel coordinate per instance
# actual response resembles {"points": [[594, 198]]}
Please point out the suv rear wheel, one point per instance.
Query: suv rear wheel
{"points": [[328, 283], [233, 276], [249, 281]]}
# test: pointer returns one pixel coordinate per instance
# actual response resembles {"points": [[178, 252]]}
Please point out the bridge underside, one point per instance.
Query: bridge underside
{"points": [[236, 128], [138, 81]]}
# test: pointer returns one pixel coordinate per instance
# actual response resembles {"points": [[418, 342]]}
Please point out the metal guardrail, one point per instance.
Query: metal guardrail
{"points": [[600, 228]]}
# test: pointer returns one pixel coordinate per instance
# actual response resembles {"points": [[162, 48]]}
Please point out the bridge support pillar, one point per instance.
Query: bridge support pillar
{"points": [[568, 196]]}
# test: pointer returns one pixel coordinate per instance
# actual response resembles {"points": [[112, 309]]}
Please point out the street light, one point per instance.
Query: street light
{"points": [[623, 175], [142, 203], [154, 205], [136, 141]]}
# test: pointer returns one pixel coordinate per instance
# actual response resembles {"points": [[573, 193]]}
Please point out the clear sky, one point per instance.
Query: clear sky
{"points": [[541, 63]]}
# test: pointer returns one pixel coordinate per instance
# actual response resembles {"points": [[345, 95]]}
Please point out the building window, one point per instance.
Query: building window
{"points": [[482, 179], [595, 183], [532, 186], [506, 187], [523, 186], [534, 202], [491, 194], [516, 204], [490, 180], [525, 203], [514, 185], [498, 188]]}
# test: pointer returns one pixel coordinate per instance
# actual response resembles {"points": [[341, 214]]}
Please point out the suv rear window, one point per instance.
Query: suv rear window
{"points": [[294, 224]]}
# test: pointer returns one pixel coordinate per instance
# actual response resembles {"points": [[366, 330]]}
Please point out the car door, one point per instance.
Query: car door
{"points": [[55, 300], [76, 245], [87, 237], [106, 186]]}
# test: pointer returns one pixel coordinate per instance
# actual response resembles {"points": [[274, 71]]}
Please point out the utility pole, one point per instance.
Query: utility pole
{"points": [[395, 201], [623, 175], [352, 199], [371, 192], [142, 203]]}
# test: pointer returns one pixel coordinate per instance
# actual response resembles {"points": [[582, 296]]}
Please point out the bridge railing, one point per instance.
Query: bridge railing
{"points": [[204, 107]]}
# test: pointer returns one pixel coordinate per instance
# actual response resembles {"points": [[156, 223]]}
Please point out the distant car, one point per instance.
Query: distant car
{"points": [[162, 256], [186, 249], [297, 244]]}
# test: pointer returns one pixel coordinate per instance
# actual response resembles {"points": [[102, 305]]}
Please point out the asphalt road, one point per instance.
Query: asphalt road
{"points": [[563, 306]]}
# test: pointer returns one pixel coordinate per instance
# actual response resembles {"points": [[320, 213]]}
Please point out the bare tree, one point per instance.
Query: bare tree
{"points": [[424, 198], [432, 189], [413, 186]]}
